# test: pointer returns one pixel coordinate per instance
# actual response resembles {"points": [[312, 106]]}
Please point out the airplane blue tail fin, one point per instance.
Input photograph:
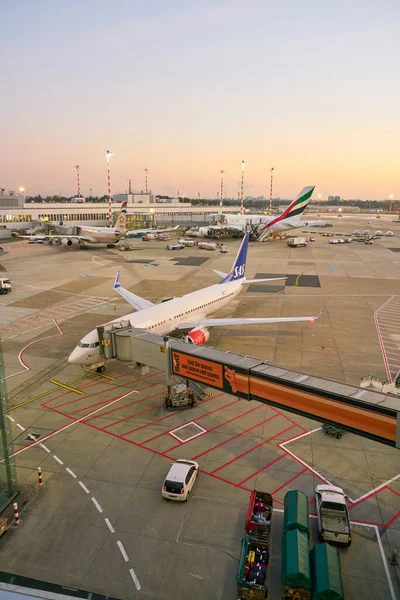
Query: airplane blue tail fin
{"points": [[239, 266]]}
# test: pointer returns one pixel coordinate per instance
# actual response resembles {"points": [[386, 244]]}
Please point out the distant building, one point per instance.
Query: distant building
{"points": [[333, 198], [11, 200]]}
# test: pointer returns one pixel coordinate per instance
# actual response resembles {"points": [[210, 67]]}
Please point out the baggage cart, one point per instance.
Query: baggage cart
{"points": [[259, 515], [251, 578]]}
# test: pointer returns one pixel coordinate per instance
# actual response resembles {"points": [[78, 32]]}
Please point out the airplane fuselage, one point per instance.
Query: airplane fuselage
{"points": [[162, 319], [101, 235]]}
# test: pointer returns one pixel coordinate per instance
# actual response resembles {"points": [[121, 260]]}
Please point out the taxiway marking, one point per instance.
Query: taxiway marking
{"points": [[67, 387]]}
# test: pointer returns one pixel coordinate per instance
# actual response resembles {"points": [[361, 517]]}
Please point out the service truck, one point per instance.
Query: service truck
{"points": [[333, 516], [297, 242], [5, 286]]}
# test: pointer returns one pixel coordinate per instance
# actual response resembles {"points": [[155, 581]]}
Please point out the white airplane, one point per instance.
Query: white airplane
{"points": [[150, 233], [262, 225], [188, 312], [94, 235]]}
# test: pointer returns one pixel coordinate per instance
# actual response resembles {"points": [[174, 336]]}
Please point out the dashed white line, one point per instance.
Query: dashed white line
{"points": [[123, 552], [11, 419], [20, 426], [70, 472], [45, 448], [97, 505], [60, 462], [83, 486], [135, 579], [110, 527]]}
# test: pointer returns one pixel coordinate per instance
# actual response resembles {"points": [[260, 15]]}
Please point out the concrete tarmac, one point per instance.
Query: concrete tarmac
{"points": [[99, 523]]}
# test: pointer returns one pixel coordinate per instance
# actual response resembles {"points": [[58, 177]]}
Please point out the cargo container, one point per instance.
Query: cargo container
{"points": [[326, 573], [296, 575], [296, 512]]}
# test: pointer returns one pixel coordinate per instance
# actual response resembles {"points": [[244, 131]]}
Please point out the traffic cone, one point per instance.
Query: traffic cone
{"points": [[115, 308], [323, 345]]}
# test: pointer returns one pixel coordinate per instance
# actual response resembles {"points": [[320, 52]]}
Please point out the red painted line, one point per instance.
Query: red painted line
{"points": [[391, 490], [173, 415], [263, 468], [220, 424], [289, 481], [288, 418], [393, 519], [252, 449], [235, 436], [139, 413], [127, 405], [224, 480]]}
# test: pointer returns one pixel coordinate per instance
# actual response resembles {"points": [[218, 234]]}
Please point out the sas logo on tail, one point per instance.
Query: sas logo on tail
{"points": [[239, 271]]}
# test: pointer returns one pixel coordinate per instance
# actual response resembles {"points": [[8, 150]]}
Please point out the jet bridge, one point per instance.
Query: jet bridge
{"points": [[368, 413]]}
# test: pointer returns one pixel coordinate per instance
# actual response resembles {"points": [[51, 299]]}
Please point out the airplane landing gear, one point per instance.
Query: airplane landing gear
{"points": [[101, 369]]}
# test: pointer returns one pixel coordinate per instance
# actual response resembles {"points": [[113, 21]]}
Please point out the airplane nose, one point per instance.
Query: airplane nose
{"points": [[75, 357]]}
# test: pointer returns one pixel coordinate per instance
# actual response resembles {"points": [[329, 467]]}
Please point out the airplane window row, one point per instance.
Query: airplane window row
{"points": [[190, 311]]}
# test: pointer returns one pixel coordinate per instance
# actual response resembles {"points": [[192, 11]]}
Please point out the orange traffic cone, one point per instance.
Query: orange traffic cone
{"points": [[323, 345]]}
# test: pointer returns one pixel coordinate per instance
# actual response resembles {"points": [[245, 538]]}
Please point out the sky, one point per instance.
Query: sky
{"points": [[186, 88]]}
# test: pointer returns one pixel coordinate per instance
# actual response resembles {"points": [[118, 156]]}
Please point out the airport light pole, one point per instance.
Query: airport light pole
{"points": [[222, 187], [319, 200], [243, 165], [77, 177], [272, 169], [145, 178], [108, 156]]}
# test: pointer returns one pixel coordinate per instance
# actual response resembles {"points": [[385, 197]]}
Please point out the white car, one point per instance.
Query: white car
{"points": [[340, 241], [180, 480], [389, 234], [334, 241], [32, 240], [356, 232]]}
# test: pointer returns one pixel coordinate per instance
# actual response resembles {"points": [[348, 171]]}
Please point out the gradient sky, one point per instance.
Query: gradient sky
{"points": [[188, 88]]}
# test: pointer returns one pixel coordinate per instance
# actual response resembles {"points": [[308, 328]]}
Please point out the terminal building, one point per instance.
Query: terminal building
{"points": [[144, 210]]}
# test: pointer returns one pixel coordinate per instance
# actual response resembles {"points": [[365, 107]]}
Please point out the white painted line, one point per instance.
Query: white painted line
{"points": [[300, 436], [60, 462], [70, 472], [11, 419], [20, 426], [122, 549], [97, 505], [202, 431], [45, 448], [110, 527], [83, 486], [135, 579], [46, 437], [376, 489], [385, 565]]}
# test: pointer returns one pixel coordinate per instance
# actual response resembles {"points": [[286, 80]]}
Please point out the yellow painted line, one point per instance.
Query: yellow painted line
{"points": [[67, 387], [101, 374]]}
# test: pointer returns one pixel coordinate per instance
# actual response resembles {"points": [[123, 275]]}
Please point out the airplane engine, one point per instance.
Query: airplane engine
{"points": [[198, 336], [205, 231], [66, 242]]}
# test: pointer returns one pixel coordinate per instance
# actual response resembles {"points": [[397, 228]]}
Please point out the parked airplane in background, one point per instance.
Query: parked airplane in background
{"points": [[262, 225], [94, 235], [188, 312], [150, 234]]}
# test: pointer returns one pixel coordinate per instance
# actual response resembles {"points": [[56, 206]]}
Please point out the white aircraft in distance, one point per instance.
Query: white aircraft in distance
{"points": [[187, 312], [148, 233], [94, 235], [262, 225]]}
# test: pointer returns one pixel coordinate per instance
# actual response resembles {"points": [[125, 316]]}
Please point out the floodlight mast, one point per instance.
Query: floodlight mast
{"points": [[108, 156], [272, 169], [243, 165]]}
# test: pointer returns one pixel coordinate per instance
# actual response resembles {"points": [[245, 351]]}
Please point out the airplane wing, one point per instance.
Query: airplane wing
{"points": [[149, 230], [135, 301], [245, 321], [60, 236]]}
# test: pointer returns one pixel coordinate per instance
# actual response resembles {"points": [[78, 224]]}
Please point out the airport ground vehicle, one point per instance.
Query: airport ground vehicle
{"points": [[259, 515], [389, 234], [5, 286], [326, 573], [175, 246], [297, 242], [333, 241], [296, 571], [368, 241], [207, 246], [333, 516], [32, 240], [331, 430], [378, 233], [251, 577], [347, 240], [180, 480], [365, 232], [356, 232]]}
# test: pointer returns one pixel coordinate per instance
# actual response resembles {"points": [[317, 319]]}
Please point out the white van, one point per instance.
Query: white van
{"points": [[389, 234], [180, 480]]}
